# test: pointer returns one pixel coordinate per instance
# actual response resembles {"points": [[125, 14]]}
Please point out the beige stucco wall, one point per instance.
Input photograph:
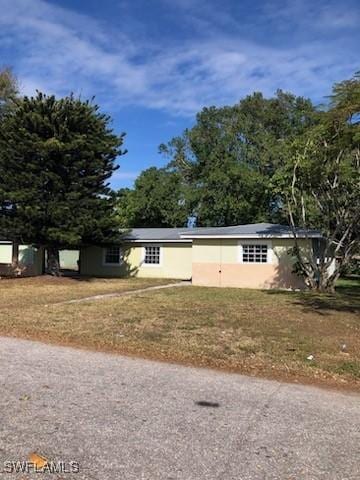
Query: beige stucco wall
{"points": [[176, 262], [213, 262], [217, 262]]}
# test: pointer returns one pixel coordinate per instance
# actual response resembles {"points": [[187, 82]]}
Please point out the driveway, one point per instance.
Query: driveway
{"points": [[124, 418]]}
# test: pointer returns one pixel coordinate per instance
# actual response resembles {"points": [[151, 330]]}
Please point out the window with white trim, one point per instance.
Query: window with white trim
{"points": [[112, 255], [257, 253], [152, 255]]}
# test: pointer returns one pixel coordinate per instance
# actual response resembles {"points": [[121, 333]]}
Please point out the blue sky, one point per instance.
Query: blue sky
{"points": [[152, 64]]}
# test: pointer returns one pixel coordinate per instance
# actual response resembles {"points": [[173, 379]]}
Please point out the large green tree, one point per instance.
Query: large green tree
{"points": [[158, 199], [56, 157], [228, 158], [319, 186]]}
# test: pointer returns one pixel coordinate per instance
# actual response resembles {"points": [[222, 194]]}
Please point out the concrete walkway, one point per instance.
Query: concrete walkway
{"points": [[131, 419], [122, 294]]}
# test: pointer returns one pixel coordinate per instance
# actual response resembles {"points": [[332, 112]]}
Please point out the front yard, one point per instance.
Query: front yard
{"points": [[292, 336], [43, 290]]}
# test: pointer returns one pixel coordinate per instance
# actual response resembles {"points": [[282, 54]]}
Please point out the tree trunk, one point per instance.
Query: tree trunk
{"points": [[16, 268], [15, 255], [326, 286], [53, 261], [320, 280], [326, 282]]}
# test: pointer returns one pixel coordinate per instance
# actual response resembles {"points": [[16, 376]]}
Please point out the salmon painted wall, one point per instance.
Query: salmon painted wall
{"points": [[176, 262], [218, 262]]}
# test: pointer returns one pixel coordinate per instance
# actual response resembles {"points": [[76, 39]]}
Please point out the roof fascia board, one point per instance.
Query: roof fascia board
{"points": [[314, 235], [125, 240]]}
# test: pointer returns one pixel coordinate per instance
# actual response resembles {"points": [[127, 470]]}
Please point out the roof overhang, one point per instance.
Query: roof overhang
{"points": [[182, 240], [204, 237]]}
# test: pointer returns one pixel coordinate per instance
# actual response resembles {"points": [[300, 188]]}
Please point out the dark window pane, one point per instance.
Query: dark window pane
{"points": [[254, 253]]}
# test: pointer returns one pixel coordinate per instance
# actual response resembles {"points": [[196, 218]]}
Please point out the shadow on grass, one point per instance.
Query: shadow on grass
{"points": [[346, 299], [71, 275]]}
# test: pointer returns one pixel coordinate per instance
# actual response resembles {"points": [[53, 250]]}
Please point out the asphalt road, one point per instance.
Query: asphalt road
{"points": [[124, 418]]}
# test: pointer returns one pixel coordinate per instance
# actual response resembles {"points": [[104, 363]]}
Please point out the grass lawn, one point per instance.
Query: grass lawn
{"points": [[266, 333], [46, 289]]}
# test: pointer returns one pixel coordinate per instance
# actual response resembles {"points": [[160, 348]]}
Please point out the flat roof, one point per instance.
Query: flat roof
{"points": [[154, 234], [252, 230]]}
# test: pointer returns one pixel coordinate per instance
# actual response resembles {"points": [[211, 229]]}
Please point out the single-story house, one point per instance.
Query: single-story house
{"points": [[247, 256]]}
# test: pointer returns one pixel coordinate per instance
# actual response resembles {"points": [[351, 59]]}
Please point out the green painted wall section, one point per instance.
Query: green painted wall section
{"points": [[27, 254]]}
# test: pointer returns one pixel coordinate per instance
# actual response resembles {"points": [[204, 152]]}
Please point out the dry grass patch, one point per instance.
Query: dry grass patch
{"points": [[26, 292], [255, 332]]}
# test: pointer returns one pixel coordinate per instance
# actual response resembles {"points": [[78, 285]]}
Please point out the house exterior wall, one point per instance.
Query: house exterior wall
{"points": [[69, 259], [217, 262], [209, 262], [176, 262], [6, 253], [31, 260]]}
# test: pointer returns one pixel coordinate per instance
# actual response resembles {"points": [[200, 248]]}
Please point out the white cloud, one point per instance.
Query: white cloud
{"points": [[60, 51], [321, 15]]}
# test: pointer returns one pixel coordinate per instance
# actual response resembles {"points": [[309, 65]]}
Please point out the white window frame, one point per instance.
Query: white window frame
{"points": [[111, 264], [268, 243], [151, 265]]}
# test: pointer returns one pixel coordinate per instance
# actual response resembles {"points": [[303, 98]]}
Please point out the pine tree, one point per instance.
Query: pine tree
{"points": [[56, 157]]}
